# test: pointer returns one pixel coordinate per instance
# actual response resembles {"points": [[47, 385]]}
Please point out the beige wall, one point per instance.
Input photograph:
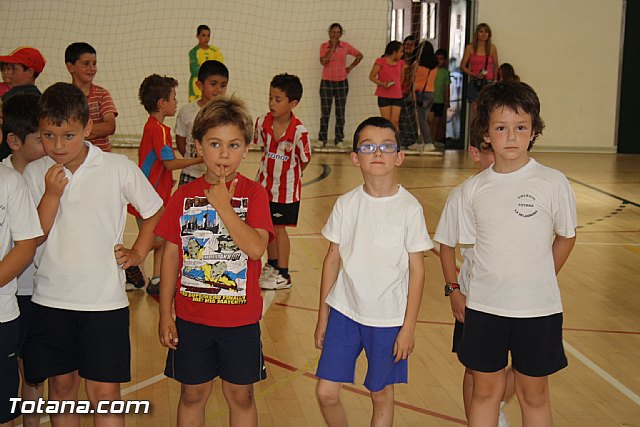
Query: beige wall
{"points": [[569, 51]]}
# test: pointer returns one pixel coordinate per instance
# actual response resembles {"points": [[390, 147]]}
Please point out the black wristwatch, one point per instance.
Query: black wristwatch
{"points": [[449, 288]]}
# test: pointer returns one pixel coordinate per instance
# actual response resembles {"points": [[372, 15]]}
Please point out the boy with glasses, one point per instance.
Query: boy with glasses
{"points": [[372, 278]]}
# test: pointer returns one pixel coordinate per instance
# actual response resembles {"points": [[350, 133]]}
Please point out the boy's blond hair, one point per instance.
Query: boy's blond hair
{"points": [[221, 111]]}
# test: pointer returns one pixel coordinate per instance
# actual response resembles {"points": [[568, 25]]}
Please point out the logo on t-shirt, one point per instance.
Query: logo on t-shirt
{"points": [[214, 269], [526, 205]]}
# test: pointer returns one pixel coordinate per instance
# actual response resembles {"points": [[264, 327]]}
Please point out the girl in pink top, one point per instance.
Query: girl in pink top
{"points": [[480, 60], [388, 73]]}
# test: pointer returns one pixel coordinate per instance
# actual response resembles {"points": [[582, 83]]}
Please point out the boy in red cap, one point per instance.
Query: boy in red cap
{"points": [[24, 65]]}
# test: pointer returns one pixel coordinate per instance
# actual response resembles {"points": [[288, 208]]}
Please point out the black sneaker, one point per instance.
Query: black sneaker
{"points": [[134, 276], [153, 288]]}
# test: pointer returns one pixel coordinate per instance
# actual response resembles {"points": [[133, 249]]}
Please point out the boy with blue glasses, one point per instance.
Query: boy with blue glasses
{"points": [[372, 278]]}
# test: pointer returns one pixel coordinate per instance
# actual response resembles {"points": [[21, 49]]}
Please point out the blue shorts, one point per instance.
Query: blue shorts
{"points": [[343, 342]]}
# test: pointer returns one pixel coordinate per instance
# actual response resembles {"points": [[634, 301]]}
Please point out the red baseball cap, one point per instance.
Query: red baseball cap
{"points": [[28, 56]]}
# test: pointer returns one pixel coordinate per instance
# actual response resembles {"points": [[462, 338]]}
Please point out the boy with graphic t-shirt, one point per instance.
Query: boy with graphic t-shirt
{"points": [[510, 212], [80, 320], [372, 278], [286, 153], [216, 230]]}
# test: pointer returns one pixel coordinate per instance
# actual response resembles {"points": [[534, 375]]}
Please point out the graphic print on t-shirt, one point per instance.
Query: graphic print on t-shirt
{"points": [[214, 270]]}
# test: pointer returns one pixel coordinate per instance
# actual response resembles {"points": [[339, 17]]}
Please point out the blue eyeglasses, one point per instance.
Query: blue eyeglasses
{"points": [[387, 148]]}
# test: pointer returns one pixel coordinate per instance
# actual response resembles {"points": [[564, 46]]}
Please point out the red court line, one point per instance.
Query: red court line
{"points": [[434, 322], [364, 393]]}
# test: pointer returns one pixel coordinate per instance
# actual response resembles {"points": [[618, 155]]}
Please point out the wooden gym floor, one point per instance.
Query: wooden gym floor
{"points": [[601, 386]]}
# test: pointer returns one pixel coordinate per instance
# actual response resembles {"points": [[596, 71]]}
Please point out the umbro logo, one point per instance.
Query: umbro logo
{"points": [[277, 215]]}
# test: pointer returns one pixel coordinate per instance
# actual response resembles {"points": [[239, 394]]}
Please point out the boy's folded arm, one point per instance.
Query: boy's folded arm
{"points": [[181, 163], [561, 248], [104, 128], [16, 260], [146, 237]]}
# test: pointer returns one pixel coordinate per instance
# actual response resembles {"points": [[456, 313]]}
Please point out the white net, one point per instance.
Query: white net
{"points": [[259, 39]]}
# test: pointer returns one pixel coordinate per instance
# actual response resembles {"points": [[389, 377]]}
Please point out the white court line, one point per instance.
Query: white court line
{"points": [[602, 373]]}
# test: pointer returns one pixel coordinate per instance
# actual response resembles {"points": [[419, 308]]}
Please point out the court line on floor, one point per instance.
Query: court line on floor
{"points": [[602, 373], [365, 393]]}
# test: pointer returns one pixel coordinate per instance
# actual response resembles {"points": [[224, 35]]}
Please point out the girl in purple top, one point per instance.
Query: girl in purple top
{"points": [[480, 61], [388, 73]]}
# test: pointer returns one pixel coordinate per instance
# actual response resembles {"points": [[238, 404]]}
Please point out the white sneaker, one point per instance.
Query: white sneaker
{"points": [[129, 287], [319, 144], [340, 144], [415, 147], [276, 282], [267, 272], [503, 421], [429, 147]]}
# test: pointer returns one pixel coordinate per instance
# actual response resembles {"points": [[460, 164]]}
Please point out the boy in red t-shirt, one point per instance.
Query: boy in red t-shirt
{"points": [[157, 95], [216, 229]]}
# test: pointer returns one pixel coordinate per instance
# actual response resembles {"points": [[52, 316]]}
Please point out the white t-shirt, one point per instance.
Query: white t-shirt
{"points": [[447, 234], [18, 221], [184, 124], [511, 218], [25, 279], [375, 235], [78, 269]]}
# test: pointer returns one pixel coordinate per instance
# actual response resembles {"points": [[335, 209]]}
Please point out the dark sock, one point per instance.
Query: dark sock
{"points": [[284, 272], [273, 263]]}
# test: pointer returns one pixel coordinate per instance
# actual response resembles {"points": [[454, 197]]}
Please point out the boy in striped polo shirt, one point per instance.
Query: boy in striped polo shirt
{"points": [[80, 59], [286, 153]]}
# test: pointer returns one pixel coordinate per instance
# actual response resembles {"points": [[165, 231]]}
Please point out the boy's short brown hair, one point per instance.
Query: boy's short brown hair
{"points": [[511, 94], [153, 89], [62, 102], [221, 111]]}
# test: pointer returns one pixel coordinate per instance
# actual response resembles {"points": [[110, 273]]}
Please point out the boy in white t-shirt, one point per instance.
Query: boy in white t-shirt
{"points": [[20, 126], [213, 79], [510, 212], [80, 320], [456, 285], [372, 278]]}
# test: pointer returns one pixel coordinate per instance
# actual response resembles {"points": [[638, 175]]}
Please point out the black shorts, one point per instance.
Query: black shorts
{"points": [[437, 109], [284, 213], [95, 343], [205, 352], [9, 379], [535, 343], [457, 335], [26, 308], [388, 102], [185, 179]]}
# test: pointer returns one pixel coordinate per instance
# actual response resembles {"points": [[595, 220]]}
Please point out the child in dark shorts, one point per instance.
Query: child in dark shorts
{"points": [[508, 212], [216, 228], [456, 286], [286, 153]]}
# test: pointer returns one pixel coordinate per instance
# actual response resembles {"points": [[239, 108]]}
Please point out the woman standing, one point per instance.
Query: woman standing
{"points": [[388, 73], [480, 61], [424, 87], [334, 84]]}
